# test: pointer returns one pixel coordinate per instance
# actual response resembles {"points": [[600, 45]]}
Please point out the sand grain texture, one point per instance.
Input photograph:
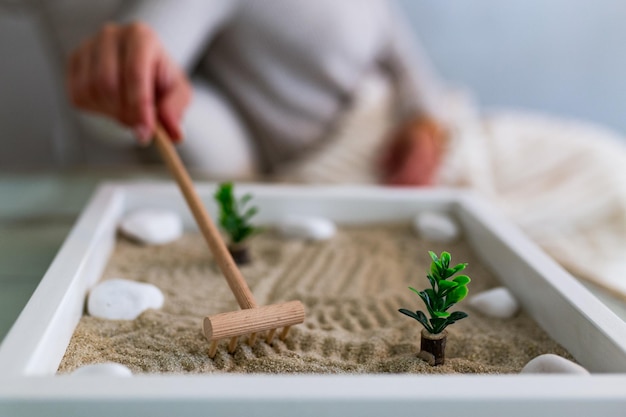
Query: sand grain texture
{"points": [[352, 287]]}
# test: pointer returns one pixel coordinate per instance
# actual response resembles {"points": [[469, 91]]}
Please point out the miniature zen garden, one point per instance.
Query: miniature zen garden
{"points": [[379, 298]]}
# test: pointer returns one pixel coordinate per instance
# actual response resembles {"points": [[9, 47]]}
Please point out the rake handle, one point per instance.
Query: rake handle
{"points": [[216, 244]]}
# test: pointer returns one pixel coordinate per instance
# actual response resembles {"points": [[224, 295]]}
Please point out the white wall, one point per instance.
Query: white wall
{"points": [[562, 56], [566, 57]]}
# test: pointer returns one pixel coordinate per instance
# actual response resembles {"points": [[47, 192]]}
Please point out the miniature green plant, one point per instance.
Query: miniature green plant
{"points": [[445, 291], [234, 218]]}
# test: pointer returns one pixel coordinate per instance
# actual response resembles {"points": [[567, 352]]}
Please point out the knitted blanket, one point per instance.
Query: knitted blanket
{"points": [[563, 182]]}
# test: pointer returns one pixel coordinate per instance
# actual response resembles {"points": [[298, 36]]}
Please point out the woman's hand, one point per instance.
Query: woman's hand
{"points": [[413, 153], [123, 72]]}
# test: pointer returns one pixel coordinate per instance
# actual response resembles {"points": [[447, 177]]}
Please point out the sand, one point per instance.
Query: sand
{"points": [[352, 287]]}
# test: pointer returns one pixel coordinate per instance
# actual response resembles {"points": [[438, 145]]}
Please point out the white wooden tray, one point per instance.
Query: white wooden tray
{"points": [[33, 349]]}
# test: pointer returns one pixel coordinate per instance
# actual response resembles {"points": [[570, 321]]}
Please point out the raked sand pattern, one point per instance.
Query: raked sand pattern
{"points": [[352, 287]]}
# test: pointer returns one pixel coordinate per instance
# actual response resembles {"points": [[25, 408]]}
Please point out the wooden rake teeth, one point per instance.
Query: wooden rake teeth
{"points": [[232, 345], [251, 319]]}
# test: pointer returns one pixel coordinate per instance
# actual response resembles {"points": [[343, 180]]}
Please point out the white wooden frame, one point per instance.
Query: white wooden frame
{"points": [[31, 352]]}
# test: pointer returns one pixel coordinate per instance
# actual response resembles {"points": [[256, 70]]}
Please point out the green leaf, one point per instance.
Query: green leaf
{"points": [[422, 319], [415, 291], [445, 259], [240, 234], [433, 256], [245, 199], [456, 316], [447, 285], [431, 295], [224, 193], [250, 212], [435, 270], [418, 315], [425, 298], [409, 313], [428, 302], [462, 279], [458, 268], [438, 325], [230, 219], [442, 314], [456, 295], [432, 280]]}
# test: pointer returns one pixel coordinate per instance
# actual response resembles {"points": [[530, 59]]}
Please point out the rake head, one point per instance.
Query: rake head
{"points": [[232, 325]]}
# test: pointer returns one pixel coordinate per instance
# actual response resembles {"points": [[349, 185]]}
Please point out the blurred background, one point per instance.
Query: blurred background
{"points": [[562, 57], [558, 57]]}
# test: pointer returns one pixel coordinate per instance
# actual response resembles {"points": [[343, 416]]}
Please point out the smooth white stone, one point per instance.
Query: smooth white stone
{"points": [[152, 226], [496, 302], [552, 364], [437, 227], [307, 227], [121, 299], [104, 369]]}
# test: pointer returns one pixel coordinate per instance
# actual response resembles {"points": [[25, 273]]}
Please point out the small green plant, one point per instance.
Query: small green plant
{"points": [[445, 291], [234, 217]]}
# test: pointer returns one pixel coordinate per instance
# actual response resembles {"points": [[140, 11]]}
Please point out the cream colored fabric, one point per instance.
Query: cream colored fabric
{"points": [[349, 154], [562, 182]]}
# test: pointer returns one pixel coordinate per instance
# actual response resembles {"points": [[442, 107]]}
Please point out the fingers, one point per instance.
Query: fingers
{"points": [[174, 95], [138, 75], [105, 69], [92, 76], [123, 72], [78, 81], [416, 161], [388, 158]]}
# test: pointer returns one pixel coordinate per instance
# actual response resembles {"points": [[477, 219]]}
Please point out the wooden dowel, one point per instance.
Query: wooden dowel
{"points": [[270, 336], [213, 349], [224, 260], [251, 339], [233, 344], [242, 322], [284, 333]]}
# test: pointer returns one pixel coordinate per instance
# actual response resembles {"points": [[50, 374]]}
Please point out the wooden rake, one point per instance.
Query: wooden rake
{"points": [[251, 319]]}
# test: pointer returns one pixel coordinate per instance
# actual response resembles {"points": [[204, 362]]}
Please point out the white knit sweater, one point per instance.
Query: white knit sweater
{"points": [[291, 67]]}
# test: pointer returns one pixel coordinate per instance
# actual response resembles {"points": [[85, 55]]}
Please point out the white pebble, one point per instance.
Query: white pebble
{"points": [[307, 227], [437, 227], [152, 226], [104, 369], [496, 302], [552, 364], [121, 299]]}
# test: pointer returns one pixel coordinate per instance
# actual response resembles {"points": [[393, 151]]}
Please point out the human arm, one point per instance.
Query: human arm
{"points": [[413, 153], [415, 147], [134, 71]]}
